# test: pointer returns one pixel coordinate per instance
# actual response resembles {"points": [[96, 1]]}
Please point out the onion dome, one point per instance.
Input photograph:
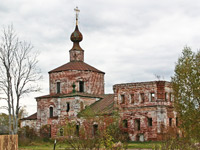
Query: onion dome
{"points": [[76, 36]]}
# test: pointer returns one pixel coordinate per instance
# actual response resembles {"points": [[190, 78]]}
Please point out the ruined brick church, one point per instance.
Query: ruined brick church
{"points": [[144, 107]]}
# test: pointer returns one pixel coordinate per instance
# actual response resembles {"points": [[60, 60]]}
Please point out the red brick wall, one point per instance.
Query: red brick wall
{"points": [[93, 81], [159, 108], [59, 110]]}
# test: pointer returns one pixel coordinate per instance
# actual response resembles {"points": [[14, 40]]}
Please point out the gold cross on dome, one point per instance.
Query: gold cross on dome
{"points": [[77, 12]]}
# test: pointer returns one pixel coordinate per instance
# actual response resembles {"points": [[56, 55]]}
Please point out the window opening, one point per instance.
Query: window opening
{"points": [[166, 96], [150, 122], [122, 99], [137, 137], [51, 112], [61, 131], [142, 97], [137, 124], [177, 121], [152, 98], [132, 99], [68, 107], [81, 86], [170, 122], [58, 87], [77, 129], [125, 123], [95, 129]]}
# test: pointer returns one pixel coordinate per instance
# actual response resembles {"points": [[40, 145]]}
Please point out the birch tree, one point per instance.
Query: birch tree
{"points": [[18, 73]]}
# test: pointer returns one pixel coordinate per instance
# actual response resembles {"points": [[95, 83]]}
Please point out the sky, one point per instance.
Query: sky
{"points": [[129, 40]]}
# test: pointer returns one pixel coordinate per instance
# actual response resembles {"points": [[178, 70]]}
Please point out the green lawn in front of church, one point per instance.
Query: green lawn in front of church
{"points": [[50, 145]]}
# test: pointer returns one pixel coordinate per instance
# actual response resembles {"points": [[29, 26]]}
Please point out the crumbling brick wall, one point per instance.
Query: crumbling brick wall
{"points": [[62, 108], [93, 81], [146, 108]]}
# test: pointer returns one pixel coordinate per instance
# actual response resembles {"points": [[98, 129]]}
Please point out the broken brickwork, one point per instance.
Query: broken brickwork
{"points": [[93, 81], [145, 108], [65, 106]]}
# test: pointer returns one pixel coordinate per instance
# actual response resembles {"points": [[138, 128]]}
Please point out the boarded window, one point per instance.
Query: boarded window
{"points": [[58, 87], [95, 129], [150, 122], [122, 99], [51, 112], [68, 107], [125, 123], [137, 124], [166, 96], [81, 86], [170, 122], [152, 96], [142, 97], [132, 99]]}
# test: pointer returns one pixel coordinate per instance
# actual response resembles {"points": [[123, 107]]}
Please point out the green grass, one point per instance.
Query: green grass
{"points": [[49, 145], [148, 145]]}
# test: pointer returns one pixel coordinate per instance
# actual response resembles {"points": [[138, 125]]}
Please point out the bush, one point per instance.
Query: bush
{"points": [[27, 132], [26, 135], [178, 143], [45, 132]]}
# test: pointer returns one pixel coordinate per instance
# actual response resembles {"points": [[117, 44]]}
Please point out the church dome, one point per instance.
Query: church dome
{"points": [[76, 36]]}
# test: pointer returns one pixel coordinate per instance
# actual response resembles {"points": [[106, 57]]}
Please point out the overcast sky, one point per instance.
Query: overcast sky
{"points": [[130, 40]]}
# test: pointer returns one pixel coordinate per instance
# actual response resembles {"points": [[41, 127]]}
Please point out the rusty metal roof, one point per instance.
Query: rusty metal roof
{"points": [[31, 117], [105, 105], [60, 95], [76, 65]]}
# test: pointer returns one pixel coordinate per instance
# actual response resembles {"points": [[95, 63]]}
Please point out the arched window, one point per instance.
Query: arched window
{"points": [[51, 112], [81, 86], [95, 129], [58, 87]]}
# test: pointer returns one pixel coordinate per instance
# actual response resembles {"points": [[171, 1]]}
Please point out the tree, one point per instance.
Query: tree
{"points": [[186, 91], [3, 123], [18, 73]]}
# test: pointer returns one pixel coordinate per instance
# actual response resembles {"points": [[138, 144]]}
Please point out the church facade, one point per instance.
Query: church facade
{"points": [[144, 107]]}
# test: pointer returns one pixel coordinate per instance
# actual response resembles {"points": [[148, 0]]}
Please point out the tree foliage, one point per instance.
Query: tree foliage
{"points": [[4, 123], [18, 73], [106, 135], [186, 87]]}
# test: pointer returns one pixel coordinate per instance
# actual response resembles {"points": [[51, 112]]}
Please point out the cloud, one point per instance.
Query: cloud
{"points": [[129, 40]]}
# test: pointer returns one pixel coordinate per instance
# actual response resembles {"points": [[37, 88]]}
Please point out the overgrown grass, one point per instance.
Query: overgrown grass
{"points": [[41, 145]]}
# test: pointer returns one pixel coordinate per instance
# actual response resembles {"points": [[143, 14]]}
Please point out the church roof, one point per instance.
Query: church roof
{"points": [[76, 65], [82, 94], [31, 117], [101, 107], [105, 105]]}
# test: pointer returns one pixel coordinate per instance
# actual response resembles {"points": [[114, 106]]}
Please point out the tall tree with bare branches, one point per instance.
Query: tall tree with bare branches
{"points": [[18, 73]]}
